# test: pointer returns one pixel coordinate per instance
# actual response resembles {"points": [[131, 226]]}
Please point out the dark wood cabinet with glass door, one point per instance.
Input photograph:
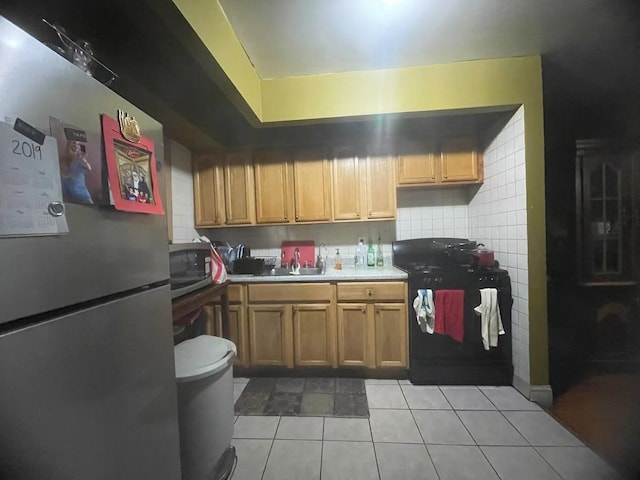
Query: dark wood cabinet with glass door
{"points": [[606, 211]]}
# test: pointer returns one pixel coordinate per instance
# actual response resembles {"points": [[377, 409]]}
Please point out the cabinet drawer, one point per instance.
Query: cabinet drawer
{"points": [[290, 293], [363, 291], [235, 293]]}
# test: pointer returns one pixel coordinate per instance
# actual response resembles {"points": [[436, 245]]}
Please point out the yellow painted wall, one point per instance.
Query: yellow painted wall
{"points": [[433, 88], [481, 83], [208, 20]]}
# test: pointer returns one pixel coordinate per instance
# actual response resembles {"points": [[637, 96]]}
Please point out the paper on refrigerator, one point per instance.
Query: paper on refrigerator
{"points": [[30, 189]]}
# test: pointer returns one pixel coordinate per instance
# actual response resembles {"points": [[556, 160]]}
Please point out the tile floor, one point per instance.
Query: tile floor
{"points": [[416, 433]]}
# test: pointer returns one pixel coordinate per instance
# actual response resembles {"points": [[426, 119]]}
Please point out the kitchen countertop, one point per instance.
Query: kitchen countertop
{"points": [[332, 275]]}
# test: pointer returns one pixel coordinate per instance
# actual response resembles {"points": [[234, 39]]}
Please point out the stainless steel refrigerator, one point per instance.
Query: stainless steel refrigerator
{"points": [[87, 380]]}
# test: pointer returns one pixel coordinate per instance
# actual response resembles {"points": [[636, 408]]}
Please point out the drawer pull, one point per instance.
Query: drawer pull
{"points": [[370, 292]]}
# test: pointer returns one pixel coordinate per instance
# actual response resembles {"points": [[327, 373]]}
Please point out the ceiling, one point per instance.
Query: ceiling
{"points": [[587, 47], [590, 40]]}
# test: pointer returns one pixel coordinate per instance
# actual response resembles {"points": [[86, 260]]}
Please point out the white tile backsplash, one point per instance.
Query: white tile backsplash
{"points": [[497, 218], [181, 193]]}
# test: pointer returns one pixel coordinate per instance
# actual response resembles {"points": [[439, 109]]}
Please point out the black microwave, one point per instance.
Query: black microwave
{"points": [[189, 267]]}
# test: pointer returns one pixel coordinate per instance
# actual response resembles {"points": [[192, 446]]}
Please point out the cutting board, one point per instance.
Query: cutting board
{"points": [[307, 251]]}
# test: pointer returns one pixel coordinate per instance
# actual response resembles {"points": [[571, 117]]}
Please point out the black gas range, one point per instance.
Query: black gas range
{"points": [[437, 358]]}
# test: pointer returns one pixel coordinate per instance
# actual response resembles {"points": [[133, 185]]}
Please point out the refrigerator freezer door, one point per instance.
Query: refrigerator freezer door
{"points": [[92, 395], [105, 251]]}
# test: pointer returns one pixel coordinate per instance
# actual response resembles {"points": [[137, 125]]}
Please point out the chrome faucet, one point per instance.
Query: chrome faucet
{"points": [[295, 262], [321, 261]]}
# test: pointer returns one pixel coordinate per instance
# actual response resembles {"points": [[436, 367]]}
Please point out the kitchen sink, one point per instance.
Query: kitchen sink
{"points": [[278, 271]]}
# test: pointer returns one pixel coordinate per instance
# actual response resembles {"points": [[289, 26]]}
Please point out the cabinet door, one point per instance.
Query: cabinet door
{"points": [[606, 215], [416, 164], [356, 341], [314, 335], [312, 186], [207, 192], [346, 185], [238, 188], [459, 160], [273, 192], [391, 334], [380, 187], [237, 330], [270, 336]]}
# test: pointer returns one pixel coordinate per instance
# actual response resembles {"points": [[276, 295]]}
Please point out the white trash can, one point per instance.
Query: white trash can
{"points": [[205, 406]]}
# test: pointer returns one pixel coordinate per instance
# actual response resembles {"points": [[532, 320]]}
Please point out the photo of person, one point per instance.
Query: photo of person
{"points": [[133, 170], [73, 165], [80, 163]]}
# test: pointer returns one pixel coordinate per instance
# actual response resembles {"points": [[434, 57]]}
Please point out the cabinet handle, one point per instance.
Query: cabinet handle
{"points": [[377, 311], [433, 176], [295, 310], [370, 292], [363, 309], [446, 176], [370, 213], [297, 217]]}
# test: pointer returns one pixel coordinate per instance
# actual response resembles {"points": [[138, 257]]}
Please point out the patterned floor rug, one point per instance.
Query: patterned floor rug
{"points": [[317, 397]]}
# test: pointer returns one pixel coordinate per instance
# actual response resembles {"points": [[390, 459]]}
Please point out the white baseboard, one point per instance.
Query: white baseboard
{"points": [[541, 394]]}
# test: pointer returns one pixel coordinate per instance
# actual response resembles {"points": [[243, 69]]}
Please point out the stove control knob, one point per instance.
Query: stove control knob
{"points": [[481, 278], [437, 280]]}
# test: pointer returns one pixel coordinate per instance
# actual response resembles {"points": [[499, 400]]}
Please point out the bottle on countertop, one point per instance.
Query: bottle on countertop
{"points": [[379, 257], [371, 255], [338, 261], [360, 253]]}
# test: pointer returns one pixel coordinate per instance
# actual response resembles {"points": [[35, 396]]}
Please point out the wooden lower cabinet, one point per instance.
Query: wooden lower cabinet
{"points": [[372, 333], [237, 331], [356, 340], [314, 336], [270, 335], [391, 334], [302, 325]]}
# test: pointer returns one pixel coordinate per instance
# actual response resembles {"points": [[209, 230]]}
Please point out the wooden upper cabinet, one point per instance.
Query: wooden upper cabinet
{"points": [[347, 198], [380, 187], [239, 198], [416, 164], [272, 171], [207, 191], [312, 186], [459, 160]]}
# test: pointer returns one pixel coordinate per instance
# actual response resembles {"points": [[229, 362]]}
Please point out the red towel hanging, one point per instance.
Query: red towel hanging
{"points": [[449, 306]]}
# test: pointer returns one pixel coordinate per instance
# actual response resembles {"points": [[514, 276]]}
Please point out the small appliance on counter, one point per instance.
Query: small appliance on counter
{"points": [[248, 266], [189, 267]]}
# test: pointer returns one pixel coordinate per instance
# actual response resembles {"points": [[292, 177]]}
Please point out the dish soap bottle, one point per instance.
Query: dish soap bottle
{"points": [[371, 255], [338, 262], [379, 258]]}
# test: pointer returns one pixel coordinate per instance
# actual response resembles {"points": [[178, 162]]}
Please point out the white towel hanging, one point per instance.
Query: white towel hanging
{"points": [[491, 323], [425, 311]]}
